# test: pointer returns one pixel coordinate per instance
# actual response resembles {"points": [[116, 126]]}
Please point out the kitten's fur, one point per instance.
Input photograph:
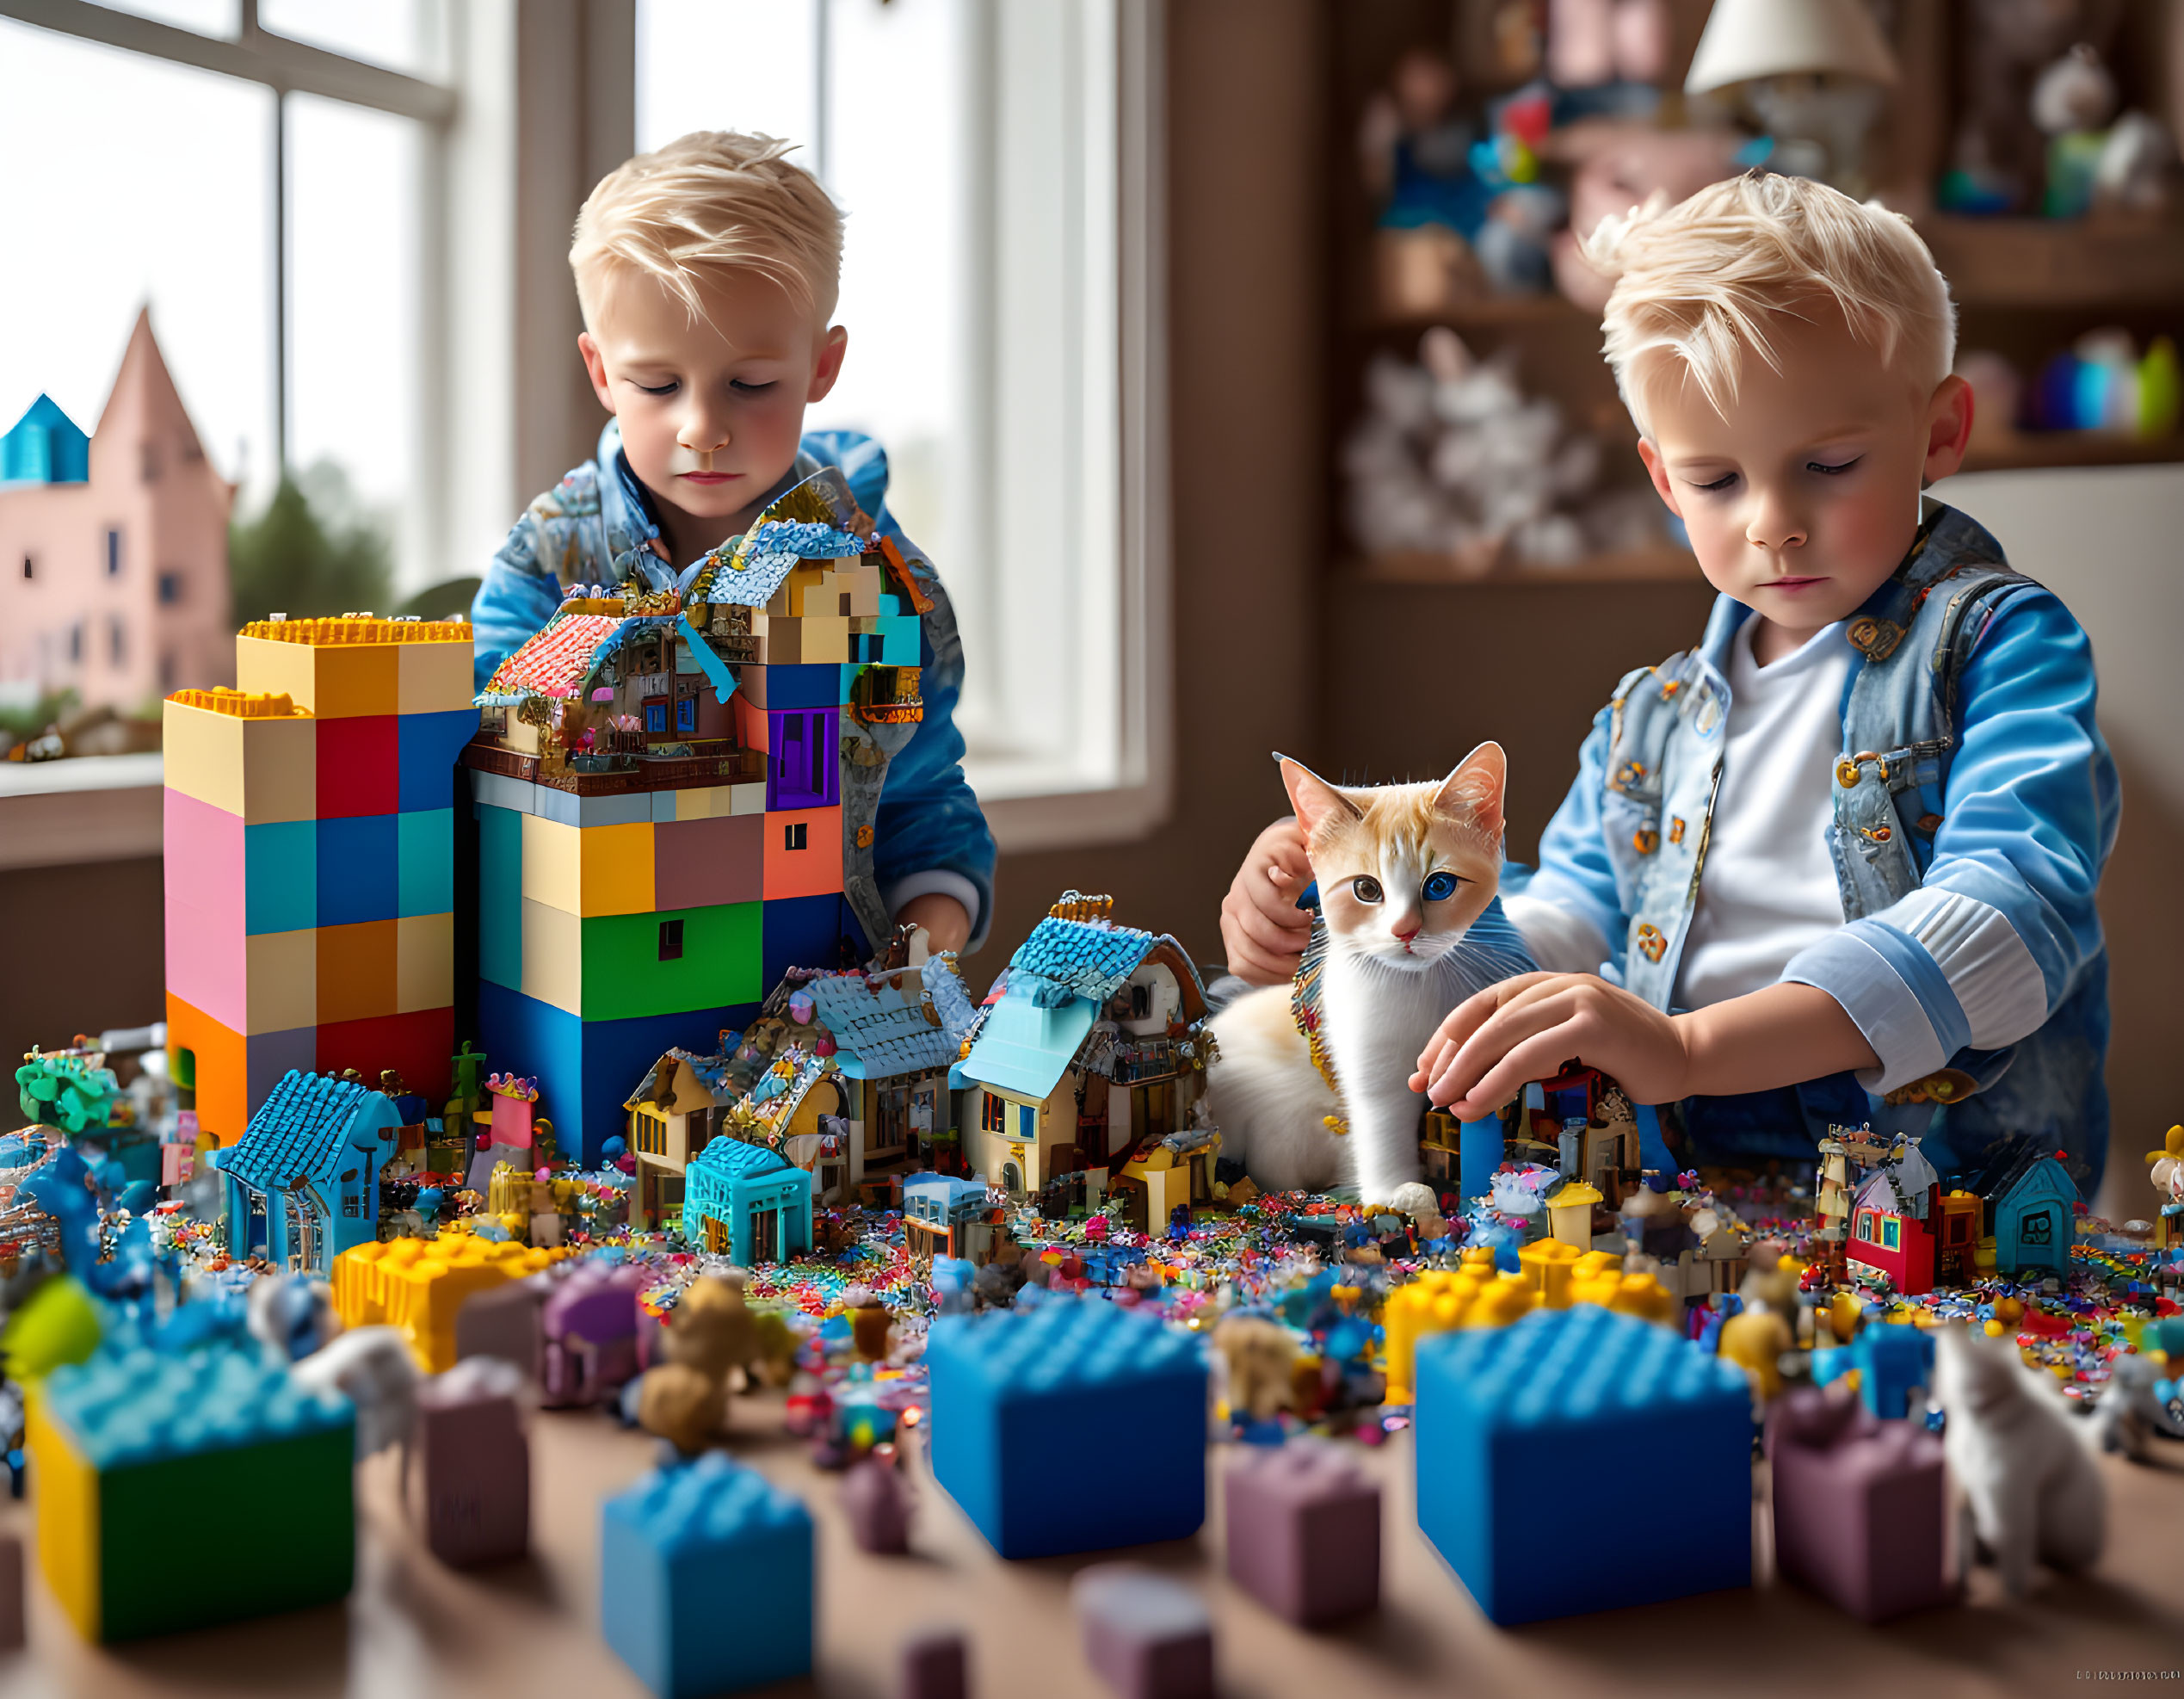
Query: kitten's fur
{"points": [[1381, 994], [2027, 1474]]}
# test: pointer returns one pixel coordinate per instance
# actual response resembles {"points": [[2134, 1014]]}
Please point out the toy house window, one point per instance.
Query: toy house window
{"points": [[2036, 1228], [685, 713], [792, 837], [170, 589], [656, 715], [993, 1114], [670, 941], [1891, 1233], [113, 554], [1865, 1225], [1140, 1002], [845, 604], [30, 567]]}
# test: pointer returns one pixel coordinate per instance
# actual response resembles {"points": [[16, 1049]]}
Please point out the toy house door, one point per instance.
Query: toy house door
{"points": [[716, 1237], [766, 1234]]}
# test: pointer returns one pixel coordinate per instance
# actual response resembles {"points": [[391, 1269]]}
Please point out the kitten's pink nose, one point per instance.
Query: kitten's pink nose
{"points": [[1407, 928]]}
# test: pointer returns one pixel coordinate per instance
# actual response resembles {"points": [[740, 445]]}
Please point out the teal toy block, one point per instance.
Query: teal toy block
{"points": [[427, 744], [899, 640], [281, 876], [425, 861], [706, 1580], [1507, 1419], [889, 604], [357, 864], [1005, 1383], [500, 895]]}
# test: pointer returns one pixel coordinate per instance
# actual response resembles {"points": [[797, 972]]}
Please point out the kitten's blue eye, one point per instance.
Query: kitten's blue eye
{"points": [[1440, 887], [1365, 889]]}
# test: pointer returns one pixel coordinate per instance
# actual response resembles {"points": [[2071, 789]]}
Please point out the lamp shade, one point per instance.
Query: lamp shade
{"points": [[1745, 38]]}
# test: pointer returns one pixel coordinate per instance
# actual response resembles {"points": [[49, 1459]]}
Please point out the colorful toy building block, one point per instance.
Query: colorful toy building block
{"points": [[1146, 1636], [1586, 1395], [589, 1329], [504, 1322], [1303, 1532], [1004, 1383], [418, 1285], [877, 1507], [679, 1542], [470, 1483], [129, 1446], [1861, 1505], [1891, 1361]]}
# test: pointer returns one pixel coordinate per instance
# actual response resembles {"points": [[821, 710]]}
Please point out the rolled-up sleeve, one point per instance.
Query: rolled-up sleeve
{"points": [[2004, 924]]}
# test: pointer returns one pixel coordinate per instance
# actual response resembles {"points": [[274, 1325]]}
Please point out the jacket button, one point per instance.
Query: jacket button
{"points": [[1847, 773]]}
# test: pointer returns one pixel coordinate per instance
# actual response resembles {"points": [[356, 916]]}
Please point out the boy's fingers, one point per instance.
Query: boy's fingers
{"points": [[1267, 931], [1246, 961], [1534, 1058], [1538, 1009], [1475, 1010]]}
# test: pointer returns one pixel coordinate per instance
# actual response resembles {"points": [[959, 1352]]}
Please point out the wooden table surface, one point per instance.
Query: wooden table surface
{"points": [[412, 1627]]}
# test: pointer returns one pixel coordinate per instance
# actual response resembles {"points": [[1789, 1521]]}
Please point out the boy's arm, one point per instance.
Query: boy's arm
{"points": [[2004, 923], [932, 839], [514, 599]]}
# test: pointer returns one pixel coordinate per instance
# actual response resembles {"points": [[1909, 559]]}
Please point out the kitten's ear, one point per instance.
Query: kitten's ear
{"points": [[1316, 802], [1472, 795]]}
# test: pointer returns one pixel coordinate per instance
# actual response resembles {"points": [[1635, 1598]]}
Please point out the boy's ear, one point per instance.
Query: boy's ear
{"points": [[1658, 470], [1472, 795], [828, 368], [1948, 428], [595, 369], [1316, 802]]}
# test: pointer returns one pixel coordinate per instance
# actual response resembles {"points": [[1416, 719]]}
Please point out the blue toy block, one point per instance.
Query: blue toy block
{"points": [[1653, 1149], [587, 1069], [427, 745], [1007, 1387], [898, 639], [689, 1542], [1480, 1152], [279, 876], [1508, 1420], [424, 873], [358, 860], [1892, 1361], [815, 684], [806, 932], [500, 895]]}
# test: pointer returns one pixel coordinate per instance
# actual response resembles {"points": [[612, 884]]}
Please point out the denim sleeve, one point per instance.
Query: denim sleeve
{"points": [[1574, 875], [515, 599], [2003, 926]]}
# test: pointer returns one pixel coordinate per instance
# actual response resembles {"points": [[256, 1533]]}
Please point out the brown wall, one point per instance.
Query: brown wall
{"points": [[86, 952], [1245, 329]]}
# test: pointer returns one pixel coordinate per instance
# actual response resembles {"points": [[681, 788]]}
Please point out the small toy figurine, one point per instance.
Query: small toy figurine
{"points": [[2166, 1170], [1261, 1358], [1755, 1339], [684, 1399], [2029, 1478]]}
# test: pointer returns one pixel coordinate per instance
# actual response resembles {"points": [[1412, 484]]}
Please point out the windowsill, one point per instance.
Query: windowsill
{"points": [[87, 808], [1069, 818]]}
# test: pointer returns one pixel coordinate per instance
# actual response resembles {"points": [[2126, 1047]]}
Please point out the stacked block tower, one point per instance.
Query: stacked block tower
{"points": [[310, 860], [673, 787]]}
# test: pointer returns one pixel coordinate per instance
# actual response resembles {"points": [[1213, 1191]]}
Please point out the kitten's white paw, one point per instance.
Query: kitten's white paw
{"points": [[1415, 1199]]}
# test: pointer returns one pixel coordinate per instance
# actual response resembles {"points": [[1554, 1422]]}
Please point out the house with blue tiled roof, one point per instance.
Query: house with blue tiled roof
{"points": [[1094, 1047], [679, 1108], [747, 1202], [302, 1184], [896, 1034]]}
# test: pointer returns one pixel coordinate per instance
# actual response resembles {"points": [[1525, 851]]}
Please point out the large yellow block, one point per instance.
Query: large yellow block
{"points": [[433, 677], [588, 870], [260, 769], [281, 987], [424, 962], [334, 681], [553, 956], [417, 1285]]}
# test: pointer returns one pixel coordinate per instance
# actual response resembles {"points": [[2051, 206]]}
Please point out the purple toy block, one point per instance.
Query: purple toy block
{"points": [[1303, 1532], [504, 1322], [1861, 1508], [1146, 1636], [470, 1484], [10, 1593], [935, 1665], [876, 1499], [589, 1325]]}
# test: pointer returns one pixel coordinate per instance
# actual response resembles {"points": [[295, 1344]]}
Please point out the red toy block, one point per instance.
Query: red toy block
{"points": [[470, 1488], [1303, 1533], [357, 971], [360, 766], [803, 853], [419, 1045], [698, 863]]}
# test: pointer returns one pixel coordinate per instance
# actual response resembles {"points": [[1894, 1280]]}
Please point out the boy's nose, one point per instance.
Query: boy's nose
{"points": [[1774, 526]]}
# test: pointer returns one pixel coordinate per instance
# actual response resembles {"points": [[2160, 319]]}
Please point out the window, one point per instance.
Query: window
{"points": [[793, 836], [1891, 1233], [117, 640], [1865, 1225], [1013, 370], [170, 589], [2036, 1226], [76, 641], [30, 567], [113, 554], [648, 1132], [993, 1114], [670, 941], [655, 715], [685, 713]]}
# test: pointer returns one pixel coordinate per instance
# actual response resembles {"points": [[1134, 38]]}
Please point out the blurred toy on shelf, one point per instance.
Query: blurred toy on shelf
{"points": [[1617, 166], [1453, 458], [1812, 75]]}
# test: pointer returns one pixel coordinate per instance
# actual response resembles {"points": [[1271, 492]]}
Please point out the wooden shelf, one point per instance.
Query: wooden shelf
{"points": [[2024, 451], [1490, 312], [1658, 566], [2089, 262]]}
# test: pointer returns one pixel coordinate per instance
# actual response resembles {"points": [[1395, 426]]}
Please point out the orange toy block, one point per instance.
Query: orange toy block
{"points": [[357, 971], [803, 853]]}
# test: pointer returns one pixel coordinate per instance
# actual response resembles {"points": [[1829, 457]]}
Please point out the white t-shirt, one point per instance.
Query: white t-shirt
{"points": [[1767, 888]]}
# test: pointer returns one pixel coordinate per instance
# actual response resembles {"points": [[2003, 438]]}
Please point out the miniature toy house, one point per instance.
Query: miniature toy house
{"points": [[746, 1202], [2031, 1206], [310, 860], [896, 1033], [681, 1108], [1893, 1219], [1168, 1172], [659, 777], [1094, 1045], [513, 1130], [113, 548], [302, 1185], [944, 1215]]}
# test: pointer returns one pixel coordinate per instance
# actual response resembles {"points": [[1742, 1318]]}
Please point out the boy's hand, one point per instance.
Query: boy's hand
{"points": [[1262, 929], [946, 923], [1498, 1041]]}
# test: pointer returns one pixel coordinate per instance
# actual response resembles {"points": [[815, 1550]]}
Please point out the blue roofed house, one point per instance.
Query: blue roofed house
{"points": [[747, 1202], [302, 1184], [1094, 1044], [946, 1215], [896, 1034], [2031, 1205], [678, 1109]]}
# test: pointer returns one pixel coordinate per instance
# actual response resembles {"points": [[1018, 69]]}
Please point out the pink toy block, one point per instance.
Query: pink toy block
{"points": [[208, 955], [1303, 1533], [504, 1322], [1146, 1636], [470, 1465], [202, 848], [1861, 1507], [698, 863], [877, 1502]]}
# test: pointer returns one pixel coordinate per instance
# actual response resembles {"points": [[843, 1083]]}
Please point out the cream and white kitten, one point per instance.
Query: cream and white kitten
{"points": [[1407, 876], [2022, 1460]]}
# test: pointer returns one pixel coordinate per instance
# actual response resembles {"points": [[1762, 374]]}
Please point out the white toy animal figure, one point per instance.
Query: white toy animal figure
{"points": [[2028, 1475], [1408, 928], [372, 1368], [293, 1313]]}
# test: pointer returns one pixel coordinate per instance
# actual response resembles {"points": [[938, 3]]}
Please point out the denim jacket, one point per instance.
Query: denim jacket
{"points": [[1974, 804], [597, 525]]}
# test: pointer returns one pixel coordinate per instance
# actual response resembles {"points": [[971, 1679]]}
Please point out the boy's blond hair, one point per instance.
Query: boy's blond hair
{"points": [[1701, 280], [711, 201]]}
